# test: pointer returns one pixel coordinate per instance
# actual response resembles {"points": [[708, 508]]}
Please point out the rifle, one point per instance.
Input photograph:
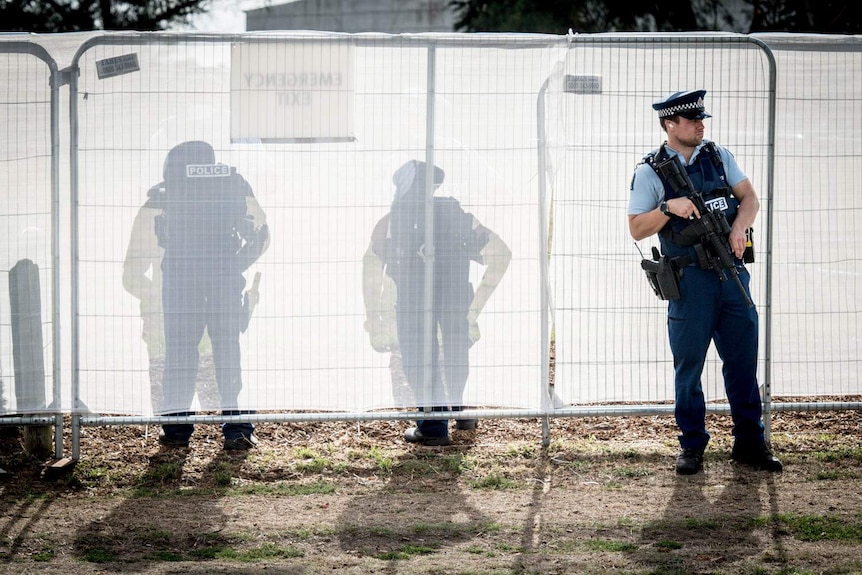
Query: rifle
{"points": [[712, 228], [249, 302]]}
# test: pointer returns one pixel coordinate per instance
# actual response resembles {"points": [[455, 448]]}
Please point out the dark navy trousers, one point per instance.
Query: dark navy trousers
{"points": [[711, 310], [450, 320], [194, 298]]}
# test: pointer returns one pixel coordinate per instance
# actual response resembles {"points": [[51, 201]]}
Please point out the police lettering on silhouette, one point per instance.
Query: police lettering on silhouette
{"points": [[212, 230]]}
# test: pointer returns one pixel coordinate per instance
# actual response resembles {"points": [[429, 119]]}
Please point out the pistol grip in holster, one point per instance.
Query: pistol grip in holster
{"points": [[663, 276]]}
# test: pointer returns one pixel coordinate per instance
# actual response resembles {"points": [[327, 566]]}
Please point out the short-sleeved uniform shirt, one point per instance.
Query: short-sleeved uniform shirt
{"points": [[647, 190]]}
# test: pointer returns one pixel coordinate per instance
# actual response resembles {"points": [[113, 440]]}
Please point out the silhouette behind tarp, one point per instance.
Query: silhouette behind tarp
{"points": [[394, 288], [211, 229]]}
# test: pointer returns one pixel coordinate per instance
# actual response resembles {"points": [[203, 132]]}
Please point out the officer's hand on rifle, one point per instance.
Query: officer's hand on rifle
{"points": [[737, 241], [682, 207]]}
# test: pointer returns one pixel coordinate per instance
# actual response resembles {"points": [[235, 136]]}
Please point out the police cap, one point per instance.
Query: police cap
{"points": [[182, 155], [686, 104]]}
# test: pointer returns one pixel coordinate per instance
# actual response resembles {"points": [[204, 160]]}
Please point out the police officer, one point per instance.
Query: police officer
{"points": [[709, 307], [212, 229], [142, 278], [398, 244]]}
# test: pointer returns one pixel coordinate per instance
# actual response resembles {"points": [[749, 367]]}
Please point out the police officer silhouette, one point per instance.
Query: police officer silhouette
{"points": [[142, 277], [212, 229], [398, 243]]}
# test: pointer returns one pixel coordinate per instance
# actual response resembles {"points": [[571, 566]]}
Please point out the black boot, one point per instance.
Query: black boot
{"points": [[689, 462]]}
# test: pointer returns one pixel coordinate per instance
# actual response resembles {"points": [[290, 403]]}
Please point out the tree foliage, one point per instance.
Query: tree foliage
{"points": [[591, 16], [823, 16], [81, 15]]}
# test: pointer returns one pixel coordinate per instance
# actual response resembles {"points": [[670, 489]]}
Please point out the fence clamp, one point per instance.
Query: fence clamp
{"points": [[63, 77]]}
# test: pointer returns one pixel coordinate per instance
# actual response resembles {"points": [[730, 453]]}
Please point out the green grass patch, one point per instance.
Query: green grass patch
{"points": [[526, 451], [841, 453], [380, 459], [166, 556], [45, 553], [286, 489], [162, 475], [99, 556], [822, 527], [222, 473], [89, 475], [835, 474], [311, 461], [431, 463], [405, 552], [609, 545], [494, 481], [264, 552]]}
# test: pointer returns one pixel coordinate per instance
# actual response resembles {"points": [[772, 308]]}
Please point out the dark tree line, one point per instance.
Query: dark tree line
{"points": [[80, 15], [590, 16], [548, 16]]}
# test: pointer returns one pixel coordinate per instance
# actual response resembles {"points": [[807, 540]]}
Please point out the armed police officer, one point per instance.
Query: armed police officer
{"points": [[703, 253], [212, 230], [398, 247], [142, 277]]}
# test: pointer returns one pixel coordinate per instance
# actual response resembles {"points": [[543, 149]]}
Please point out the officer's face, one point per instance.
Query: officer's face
{"points": [[688, 132]]}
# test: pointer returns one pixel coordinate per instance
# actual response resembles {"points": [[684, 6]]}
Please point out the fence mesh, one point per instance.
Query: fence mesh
{"points": [[26, 232], [324, 141]]}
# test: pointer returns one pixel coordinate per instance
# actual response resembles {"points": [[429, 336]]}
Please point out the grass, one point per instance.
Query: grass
{"points": [[45, 553], [821, 527], [260, 553], [381, 461], [161, 475], [310, 461], [580, 505], [494, 480], [606, 545], [405, 552]]}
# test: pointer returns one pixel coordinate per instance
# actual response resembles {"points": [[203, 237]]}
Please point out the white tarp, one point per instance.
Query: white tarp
{"points": [[506, 118]]}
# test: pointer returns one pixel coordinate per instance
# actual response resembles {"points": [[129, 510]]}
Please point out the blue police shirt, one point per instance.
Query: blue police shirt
{"points": [[648, 192]]}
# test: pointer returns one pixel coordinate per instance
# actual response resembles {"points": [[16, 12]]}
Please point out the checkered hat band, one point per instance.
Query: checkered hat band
{"points": [[674, 110]]}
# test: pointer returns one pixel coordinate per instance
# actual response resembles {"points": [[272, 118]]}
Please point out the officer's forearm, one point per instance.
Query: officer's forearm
{"points": [[647, 224], [749, 205], [746, 214], [497, 256]]}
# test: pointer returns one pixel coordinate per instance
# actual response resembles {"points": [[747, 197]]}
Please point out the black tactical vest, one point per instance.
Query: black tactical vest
{"points": [[708, 176]]}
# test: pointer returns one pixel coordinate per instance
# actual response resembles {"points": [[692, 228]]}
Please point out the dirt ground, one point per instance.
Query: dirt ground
{"points": [[340, 497]]}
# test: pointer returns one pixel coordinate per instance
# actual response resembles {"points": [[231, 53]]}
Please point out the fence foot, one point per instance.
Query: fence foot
{"points": [[59, 467]]}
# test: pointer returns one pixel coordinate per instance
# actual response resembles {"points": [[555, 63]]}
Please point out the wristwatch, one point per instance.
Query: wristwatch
{"points": [[664, 209]]}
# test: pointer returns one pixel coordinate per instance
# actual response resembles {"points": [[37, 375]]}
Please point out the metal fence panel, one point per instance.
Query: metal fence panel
{"points": [[28, 170], [537, 137], [320, 127], [817, 267], [610, 329]]}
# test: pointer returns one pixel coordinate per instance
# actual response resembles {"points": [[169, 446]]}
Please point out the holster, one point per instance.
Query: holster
{"points": [[663, 276], [160, 223], [748, 254]]}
